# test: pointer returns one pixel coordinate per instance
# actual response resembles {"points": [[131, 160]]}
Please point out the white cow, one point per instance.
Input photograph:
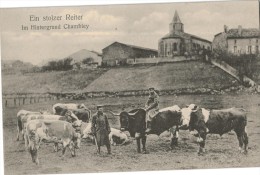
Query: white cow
{"points": [[116, 137]]}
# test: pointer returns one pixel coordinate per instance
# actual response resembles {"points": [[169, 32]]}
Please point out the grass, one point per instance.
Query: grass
{"points": [[194, 74], [221, 152], [62, 81]]}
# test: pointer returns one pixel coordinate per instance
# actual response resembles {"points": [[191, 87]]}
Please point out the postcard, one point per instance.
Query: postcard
{"points": [[130, 87]]}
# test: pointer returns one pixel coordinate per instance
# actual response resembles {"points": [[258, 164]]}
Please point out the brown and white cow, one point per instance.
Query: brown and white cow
{"points": [[27, 118], [202, 122], [51, 131]]}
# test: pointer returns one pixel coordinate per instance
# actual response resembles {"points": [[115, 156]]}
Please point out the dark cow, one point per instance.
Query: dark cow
{"points": [[219, 122], [134, 123], [82, 114], [167, 119]]}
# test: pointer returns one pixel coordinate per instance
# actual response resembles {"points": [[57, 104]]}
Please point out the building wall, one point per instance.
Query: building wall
{"points": [[220, 42], [199, 44], [243, 45], [169, 47], [118, 54]]}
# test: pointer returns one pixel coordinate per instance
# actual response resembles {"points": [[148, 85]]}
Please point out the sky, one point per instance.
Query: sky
{"points": [[141, 25]]}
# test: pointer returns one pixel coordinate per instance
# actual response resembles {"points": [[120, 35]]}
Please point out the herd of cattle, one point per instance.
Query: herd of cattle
{"points": [[70, 123]]}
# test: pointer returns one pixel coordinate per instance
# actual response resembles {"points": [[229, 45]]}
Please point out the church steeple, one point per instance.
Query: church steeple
{"points": [[176, 26]]}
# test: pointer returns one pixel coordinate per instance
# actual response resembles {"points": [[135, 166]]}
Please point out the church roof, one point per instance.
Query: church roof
{"points": [[176, 18], [184, 35]]}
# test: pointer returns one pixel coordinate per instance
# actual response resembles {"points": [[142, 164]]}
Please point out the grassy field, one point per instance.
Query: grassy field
{"points": [[164, 76], [221, 152]]}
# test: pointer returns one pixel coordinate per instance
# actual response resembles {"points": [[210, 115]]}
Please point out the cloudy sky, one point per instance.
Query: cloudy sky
{"points": [[141, 25]]}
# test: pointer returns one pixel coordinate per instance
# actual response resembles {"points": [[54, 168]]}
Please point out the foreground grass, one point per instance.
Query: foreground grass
{"points": [[221, 152]]}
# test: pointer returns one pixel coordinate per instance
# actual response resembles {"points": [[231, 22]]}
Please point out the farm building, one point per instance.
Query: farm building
{"points": [[238, 41], [85, 59], [117, 53], [179, 43]]}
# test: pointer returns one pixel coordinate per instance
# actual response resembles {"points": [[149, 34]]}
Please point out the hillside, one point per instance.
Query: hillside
{"points": [[63, 81], [165, 76]]}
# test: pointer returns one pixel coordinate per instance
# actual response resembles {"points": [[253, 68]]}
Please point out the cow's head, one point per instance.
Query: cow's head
{"points": [[186, 115], [198, 120]]}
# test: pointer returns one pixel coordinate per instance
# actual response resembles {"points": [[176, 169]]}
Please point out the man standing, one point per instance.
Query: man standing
{"points": [[101, 129], [152, 108]]}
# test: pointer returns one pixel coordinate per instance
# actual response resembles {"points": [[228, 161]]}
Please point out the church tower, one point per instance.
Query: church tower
{"points": [[176, 26]]}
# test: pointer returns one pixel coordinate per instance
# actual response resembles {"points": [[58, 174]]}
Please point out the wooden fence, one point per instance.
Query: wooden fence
{"points": [[10, 100]]}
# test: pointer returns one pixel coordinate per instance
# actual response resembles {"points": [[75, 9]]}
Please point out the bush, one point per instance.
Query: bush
{"points": [[60, 65], [244, 63]]}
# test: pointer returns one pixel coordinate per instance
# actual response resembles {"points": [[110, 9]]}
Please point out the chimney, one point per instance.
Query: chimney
{"points": [[225, 28], [240, 30]]}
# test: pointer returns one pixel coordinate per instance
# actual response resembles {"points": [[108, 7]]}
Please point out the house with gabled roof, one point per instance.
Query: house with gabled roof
{"points": [[238, 40], [117, 53]]}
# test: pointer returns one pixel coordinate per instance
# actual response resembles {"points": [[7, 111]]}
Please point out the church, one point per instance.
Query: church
{"points": [[179, 43]]}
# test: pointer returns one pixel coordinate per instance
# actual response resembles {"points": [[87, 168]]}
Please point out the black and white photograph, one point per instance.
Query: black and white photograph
{"points": [[130, 87]]}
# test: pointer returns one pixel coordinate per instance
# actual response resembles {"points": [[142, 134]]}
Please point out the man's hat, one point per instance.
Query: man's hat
{"points": [[100, 106], [151, 88]]}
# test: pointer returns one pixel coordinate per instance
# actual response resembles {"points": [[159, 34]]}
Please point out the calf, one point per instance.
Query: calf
{"points": [[219, 122], [51, 131]]}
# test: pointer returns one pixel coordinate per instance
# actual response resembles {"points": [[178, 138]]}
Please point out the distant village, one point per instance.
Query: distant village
{"points": [[177, 45]]}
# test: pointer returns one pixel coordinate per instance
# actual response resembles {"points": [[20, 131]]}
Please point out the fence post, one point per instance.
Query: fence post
{"points": [[6, 103], [23, 100], [14, 101]]}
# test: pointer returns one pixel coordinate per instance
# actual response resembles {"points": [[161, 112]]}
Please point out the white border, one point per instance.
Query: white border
{"points": [[47, 3]]}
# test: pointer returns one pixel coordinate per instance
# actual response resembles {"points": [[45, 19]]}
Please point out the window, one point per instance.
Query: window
{"points": [[256, 41], [235, 41]]}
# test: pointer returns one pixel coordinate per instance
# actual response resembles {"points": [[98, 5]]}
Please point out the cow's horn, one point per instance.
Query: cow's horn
{"points": [[115, 114], [132, 114]]}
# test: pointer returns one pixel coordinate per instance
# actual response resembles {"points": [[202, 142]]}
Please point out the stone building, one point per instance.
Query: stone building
{"points": [[117, 53], [238, 41], [177, 42]]}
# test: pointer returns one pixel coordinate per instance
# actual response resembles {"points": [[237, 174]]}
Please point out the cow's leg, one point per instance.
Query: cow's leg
{"points": [[201, 140], [138, 145], [65, 143], [18, 131], [144, 144], [245, 139], [72, 149], [138, 141], [240, 135], [55, 147], [174, 136]]}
